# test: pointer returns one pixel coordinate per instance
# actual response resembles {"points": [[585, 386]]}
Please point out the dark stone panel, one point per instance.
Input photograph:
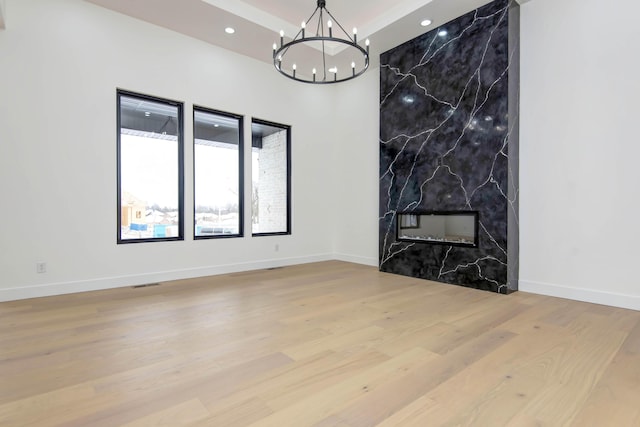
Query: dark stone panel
{"points": [[448, 142], [514, 148]]}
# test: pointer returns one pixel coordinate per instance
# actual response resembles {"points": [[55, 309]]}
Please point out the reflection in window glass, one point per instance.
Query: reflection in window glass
{"points": [[270, 207], [217, 171], [149, 169]]}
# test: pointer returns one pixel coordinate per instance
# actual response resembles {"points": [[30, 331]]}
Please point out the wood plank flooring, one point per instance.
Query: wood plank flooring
{"points": [[325, 344]]}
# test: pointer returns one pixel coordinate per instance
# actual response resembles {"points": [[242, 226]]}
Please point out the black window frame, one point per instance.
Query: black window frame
{"points": [[240, 119], [180, 130], [258, 121]]}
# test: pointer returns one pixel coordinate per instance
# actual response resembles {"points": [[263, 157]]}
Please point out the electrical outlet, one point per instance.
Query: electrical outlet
{"points": [[41, 267]]}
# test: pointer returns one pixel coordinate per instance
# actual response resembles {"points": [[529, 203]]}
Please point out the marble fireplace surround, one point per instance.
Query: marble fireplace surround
{"points": [[449, 142]]}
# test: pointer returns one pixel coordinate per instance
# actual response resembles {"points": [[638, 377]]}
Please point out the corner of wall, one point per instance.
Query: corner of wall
{"points": [[356, 259], [61, 288], [3, 24], [354, 172]]}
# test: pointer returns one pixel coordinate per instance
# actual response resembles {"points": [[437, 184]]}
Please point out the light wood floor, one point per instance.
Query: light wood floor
{"points": [[326, 344]]}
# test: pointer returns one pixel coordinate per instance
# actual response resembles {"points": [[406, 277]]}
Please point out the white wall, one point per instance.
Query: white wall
{"points": [[3, 20], [355, 168], [62, 61], [579, 153]]}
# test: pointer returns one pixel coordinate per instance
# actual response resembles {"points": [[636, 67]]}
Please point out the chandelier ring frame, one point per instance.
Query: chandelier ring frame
{"points": [[282, 50]]}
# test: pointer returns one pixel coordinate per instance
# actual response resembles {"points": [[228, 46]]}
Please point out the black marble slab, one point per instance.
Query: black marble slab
{"points": [[449, 142]]}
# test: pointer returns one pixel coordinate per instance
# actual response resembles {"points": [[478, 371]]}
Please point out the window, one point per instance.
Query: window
{"points": [[218, 195], [271, 178], [150, 175]]}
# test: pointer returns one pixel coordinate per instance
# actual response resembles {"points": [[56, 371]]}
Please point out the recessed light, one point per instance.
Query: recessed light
{"points": [[229, 30], [426, 22], [147, 113], [442, 33]]}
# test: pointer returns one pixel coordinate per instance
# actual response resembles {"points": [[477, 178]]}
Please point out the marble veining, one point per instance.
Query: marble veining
{"points": [[448, 141]]}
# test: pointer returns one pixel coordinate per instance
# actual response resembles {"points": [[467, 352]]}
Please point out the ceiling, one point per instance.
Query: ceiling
{"points": [[387, 23]]}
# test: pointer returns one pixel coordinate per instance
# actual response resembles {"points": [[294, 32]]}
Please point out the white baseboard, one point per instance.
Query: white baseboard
{"points": [[11, 294], [50, 289], [631, 302], [356, 259]]}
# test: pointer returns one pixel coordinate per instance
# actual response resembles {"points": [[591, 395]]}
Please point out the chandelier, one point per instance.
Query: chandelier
{"points": [[286, 55]]}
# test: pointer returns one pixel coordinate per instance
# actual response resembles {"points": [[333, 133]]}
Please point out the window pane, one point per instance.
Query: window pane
{"points": [[270, 178], [217, 171], [150, 169]]}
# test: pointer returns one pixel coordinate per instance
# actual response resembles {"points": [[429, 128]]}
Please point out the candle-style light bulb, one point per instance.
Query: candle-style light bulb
{"points": [[275, 47], [314, 74], [366, 42], [355, 35], [304, 25], [334, 70], [281, 37], [294, 70], [330, 25], [353, 68]]}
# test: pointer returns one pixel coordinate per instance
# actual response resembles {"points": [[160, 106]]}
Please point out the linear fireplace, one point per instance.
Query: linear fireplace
{"points": [[453, 228]]}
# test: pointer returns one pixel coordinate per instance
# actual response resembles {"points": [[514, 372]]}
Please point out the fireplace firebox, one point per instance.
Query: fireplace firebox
{"points": [[453, 228]]}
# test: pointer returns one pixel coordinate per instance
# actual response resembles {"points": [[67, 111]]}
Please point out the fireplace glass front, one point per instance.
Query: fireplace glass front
{"points": [[459, 228]]}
